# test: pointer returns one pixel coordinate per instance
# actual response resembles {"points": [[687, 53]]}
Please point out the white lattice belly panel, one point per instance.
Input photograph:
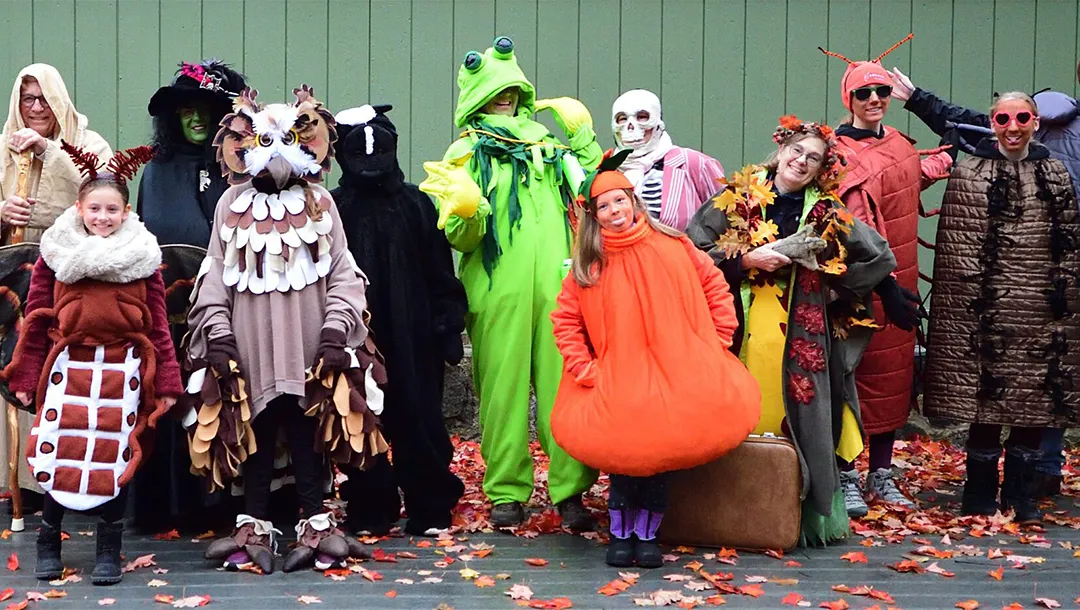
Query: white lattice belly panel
{"points": [[80, 445]]}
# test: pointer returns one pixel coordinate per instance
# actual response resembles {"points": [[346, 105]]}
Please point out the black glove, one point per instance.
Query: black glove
{"points": [[219, 352], [900, 304], [332, 351], [452, 349]]}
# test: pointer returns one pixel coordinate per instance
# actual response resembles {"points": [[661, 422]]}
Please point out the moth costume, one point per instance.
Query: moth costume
{"points": [[672, 181], [96, 356], [417, 308], [278, 337], [503, 189]]}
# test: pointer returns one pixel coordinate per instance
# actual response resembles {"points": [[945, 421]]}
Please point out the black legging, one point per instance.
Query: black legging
{"points": [[283, 412], [649, 493], [112, 511], [987, 437]]}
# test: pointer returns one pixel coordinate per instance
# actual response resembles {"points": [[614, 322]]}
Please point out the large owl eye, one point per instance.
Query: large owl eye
{"points": [[290, 138], [265, 139]]}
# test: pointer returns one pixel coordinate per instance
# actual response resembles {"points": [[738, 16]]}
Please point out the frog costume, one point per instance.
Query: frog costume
{"points": [[502, 190]]}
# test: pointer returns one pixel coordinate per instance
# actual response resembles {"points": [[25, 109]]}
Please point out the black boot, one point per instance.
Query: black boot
{"points": [[1020, 487], [981, 486], [49, 565], [107, 566]]}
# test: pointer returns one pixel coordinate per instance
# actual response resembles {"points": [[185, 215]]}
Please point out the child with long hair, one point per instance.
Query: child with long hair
{"points": [[644, 323], [96, 355]]}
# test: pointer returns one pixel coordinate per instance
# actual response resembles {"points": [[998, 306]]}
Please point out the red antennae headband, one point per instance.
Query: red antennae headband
{"points": [[124, 164]]}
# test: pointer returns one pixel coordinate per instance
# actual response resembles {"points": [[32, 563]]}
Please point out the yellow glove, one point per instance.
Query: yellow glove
{"points": [[569, 113], [450, 183]]}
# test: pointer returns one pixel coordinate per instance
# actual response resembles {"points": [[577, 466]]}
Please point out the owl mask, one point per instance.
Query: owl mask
{"points": [[280, 142]]}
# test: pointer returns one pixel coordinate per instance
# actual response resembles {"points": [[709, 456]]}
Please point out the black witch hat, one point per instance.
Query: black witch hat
{"points": [[212, 82]]}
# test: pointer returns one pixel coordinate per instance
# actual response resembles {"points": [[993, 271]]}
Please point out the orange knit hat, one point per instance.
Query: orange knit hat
{"points": [[863, 73], [609, 181]]}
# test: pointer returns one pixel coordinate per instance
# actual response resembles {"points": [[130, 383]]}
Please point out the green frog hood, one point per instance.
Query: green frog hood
{"points": [[483, 75]]}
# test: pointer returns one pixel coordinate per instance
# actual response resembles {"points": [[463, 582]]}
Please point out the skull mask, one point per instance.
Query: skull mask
{"points": [[635, 119]]}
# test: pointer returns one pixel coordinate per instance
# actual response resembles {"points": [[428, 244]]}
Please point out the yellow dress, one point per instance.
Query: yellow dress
{"points": [[763, 352]]}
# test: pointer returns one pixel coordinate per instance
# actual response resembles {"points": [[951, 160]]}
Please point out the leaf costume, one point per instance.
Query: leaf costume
{"points": [[516, 250], [801, 347]]}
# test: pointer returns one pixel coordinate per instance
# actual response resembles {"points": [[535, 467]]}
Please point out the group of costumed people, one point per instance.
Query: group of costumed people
{"points": [[607, 285]]}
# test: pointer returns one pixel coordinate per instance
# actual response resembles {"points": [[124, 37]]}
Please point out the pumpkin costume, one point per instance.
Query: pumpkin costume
{"points": [[635, 346], [97, 356]]}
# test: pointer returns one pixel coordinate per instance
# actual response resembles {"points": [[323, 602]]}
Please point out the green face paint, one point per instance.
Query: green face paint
{"points": [[195, 124]]}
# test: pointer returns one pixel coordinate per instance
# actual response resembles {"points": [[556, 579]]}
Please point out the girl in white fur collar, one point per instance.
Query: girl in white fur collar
{"points": [[95, 357]]}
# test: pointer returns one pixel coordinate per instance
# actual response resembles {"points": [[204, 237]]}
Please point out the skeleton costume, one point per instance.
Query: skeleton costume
{"points": [[278, 337], [672, 181], [96, 354]]}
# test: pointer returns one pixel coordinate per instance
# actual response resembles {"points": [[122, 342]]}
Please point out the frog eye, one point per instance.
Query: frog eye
{"points": [[265, 139], [290, 138], [473, 61], [504, 47]]}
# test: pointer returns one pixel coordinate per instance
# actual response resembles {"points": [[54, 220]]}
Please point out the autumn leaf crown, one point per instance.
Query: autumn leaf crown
{"points": [[835, 161]]}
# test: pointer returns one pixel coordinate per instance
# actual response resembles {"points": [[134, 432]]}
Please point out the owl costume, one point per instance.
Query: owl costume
{"points": [[278, 334], [516, 251]]}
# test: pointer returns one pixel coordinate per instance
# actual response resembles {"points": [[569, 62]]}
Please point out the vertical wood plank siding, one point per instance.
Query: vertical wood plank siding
{"points": [[725, 69]]}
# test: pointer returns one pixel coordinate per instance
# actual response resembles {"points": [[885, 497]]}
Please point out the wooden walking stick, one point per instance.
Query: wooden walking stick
{"points": [[22, 189]]}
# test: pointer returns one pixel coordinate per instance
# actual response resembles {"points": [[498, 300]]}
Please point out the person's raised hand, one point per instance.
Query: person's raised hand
{"points": [[569, 113], [451, 185], [27, 139], [902, 85]]}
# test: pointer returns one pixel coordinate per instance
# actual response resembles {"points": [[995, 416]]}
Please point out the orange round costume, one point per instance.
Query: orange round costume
{"points": [[650, 338]]}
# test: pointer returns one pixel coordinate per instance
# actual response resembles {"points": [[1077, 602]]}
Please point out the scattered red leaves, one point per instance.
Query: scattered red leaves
{"points": [[536, 562], [907, 566], [484, 581], [13, 562], [839, 604], [169, 535], [968, 605], [754, 591], [19, 606], [391, 594], [161, 598], [855, 557], [381, 555], [792, 599], [6, 594], [614, 587], [997, 573]]}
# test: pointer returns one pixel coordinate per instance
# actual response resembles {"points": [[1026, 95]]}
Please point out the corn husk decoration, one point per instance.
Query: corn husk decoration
{"points": [[347, 404], [222, 439]]}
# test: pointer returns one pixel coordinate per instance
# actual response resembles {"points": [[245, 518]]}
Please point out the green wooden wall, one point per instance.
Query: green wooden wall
{"points": [[724, 69]]}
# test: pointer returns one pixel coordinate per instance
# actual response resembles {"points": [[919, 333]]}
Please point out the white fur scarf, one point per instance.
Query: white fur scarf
{"points": [[129, 254]]}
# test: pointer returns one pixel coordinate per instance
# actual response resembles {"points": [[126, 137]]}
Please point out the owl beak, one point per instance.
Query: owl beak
{"points": [[280, 170]]}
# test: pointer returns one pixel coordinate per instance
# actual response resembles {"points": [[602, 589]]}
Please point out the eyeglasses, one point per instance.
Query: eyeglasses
{"points": [[28, 101], [1022, 118], [863, 93], [812, 159]]}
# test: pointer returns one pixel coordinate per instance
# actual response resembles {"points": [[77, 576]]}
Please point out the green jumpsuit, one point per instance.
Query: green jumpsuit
{"points": [[513, 271]]}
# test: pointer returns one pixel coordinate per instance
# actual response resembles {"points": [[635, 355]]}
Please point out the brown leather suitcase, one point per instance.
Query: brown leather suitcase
{"points": [[748, 499]]}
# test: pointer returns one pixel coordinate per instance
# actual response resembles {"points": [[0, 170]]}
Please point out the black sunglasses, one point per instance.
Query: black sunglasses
{"points": [[863, 93]]}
